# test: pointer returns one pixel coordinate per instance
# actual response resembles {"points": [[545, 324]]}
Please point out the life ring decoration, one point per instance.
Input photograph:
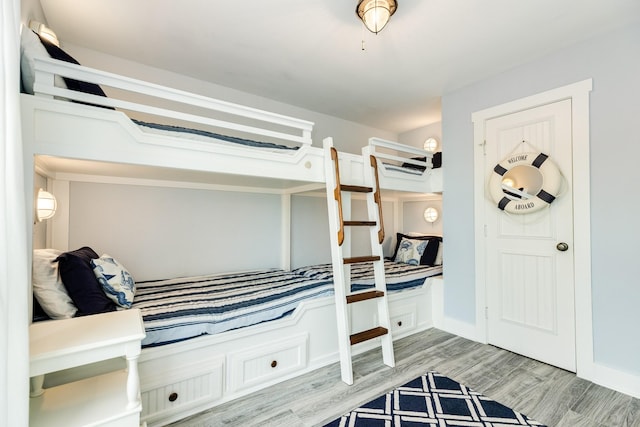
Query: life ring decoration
{"points": [[525, 183]]}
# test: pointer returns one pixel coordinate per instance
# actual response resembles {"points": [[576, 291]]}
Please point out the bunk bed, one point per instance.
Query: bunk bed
{"points": [[184, 376]]}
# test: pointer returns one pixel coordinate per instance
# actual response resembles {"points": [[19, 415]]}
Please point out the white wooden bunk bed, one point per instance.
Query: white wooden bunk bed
{"points": [[181, 378]]}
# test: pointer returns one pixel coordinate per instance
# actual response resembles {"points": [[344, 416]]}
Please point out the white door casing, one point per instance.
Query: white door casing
{"points": [[530, 284], [578, 93]]}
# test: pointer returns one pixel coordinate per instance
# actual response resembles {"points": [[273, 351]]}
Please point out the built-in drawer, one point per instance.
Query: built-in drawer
{"points": [[178, 390], [403, 319], [267, 362]]}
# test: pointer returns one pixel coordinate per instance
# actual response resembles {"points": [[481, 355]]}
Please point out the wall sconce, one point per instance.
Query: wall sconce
{"points": [[431, 215], [46, 205], [431, 144], [376, 13], [44, 32]]}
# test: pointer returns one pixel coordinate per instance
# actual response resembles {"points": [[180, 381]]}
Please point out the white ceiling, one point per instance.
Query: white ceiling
{"points": [[309, 53]]}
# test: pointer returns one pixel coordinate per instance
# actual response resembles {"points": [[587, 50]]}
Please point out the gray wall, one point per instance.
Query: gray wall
{"points": [[413, 217], [160, 232], [613, 61], [416, 137], [168, 232], [310, 230]]}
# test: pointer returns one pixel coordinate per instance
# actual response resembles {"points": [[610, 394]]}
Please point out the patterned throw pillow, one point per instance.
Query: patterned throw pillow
{"points": [[410, 251], [116, 282]]}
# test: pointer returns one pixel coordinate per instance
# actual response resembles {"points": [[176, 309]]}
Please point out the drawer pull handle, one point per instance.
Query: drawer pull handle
{"points": [[173, 397], [399, 322], [274, 363]]}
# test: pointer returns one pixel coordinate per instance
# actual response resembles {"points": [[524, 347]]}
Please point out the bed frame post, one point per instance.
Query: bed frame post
{"points": [[285, 232]]}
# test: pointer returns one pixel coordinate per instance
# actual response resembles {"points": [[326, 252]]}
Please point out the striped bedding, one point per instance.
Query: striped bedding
{"points": [[206, 136], [178, 309], [403, 169], [398, 276]]}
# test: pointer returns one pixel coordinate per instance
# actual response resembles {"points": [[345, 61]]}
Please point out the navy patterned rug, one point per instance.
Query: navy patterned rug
{"points": [[432, 400]]}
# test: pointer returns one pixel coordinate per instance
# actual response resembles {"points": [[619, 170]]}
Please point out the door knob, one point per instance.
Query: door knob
{"points": [[562, 246]]}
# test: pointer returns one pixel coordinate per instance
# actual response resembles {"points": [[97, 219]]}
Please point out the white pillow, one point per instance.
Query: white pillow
{"points": [[31, 47], [116, 282], [410, 251], [48, 287], [438, 260], [419, 234]]}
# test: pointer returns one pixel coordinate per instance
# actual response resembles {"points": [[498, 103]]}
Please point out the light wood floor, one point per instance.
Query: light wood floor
{"points": [[542, 392]]}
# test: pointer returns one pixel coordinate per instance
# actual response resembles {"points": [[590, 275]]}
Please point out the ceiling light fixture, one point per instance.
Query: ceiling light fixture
{"points": [[376, 13]]}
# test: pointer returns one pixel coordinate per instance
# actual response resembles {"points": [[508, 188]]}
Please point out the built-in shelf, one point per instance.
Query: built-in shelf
{"points": [[112, 399]]}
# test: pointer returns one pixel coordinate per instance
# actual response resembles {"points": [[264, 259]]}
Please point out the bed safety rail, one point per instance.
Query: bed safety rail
{"points": [[402, 154], [271, 125]]}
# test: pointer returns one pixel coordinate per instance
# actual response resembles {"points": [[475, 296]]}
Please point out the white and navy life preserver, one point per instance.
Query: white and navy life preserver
{"points": [[513, 200]]}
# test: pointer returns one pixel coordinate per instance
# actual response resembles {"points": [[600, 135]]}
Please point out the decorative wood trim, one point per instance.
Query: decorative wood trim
{"points": [[356, 188], [364, 296], [357, 259], [377, 199], [367, 335], [337, 194], [360, 223]]}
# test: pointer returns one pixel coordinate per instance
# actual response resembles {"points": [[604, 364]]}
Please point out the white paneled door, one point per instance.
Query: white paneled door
{"points": [[529, 257]]}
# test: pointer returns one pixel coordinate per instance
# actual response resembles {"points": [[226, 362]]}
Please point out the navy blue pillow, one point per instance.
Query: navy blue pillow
{"points": [[81, 283], [91, 88], [430, 252], [436, 161]]}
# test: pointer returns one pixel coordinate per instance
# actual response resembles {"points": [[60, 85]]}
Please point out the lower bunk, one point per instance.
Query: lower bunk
{"points": [[181, 379], [254, 329]]}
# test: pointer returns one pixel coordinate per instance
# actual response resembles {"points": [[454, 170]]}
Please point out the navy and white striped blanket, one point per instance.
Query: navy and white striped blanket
{"points": [[398, 276], [177, 309]]}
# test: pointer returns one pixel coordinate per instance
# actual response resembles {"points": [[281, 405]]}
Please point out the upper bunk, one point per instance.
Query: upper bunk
{"points": [[69, 118]]}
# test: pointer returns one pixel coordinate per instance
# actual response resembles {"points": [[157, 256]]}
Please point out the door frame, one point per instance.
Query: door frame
{"points": [[579, 95]]}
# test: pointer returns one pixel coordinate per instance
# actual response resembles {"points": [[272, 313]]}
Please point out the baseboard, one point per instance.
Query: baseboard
{"points": [[443, 322], [605, 376], [437, 302], [460, 328], [614, 379]]}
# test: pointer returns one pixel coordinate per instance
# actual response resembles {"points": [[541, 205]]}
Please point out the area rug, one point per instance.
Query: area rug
{"points": [[432, 400]]}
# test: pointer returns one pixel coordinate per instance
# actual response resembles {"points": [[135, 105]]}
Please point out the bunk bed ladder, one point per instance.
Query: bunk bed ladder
{"points": [[338, 201]]}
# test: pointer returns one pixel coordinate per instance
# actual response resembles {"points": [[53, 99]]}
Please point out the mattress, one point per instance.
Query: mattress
{"points": [[206, 136], [398, 276], [178, 309], [403, 169], [182, 308]]}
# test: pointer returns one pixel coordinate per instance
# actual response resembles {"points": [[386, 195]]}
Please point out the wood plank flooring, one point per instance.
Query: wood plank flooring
{"points": [[542, 392]]}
